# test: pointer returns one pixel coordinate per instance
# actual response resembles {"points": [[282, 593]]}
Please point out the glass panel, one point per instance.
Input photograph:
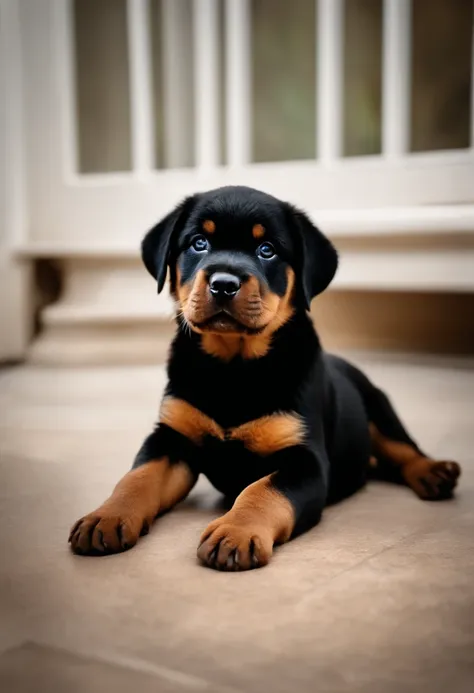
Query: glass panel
{"points": [[102, 85], [283, 79], [171, 25], [156, 45], [441, 73], [362, 77]]}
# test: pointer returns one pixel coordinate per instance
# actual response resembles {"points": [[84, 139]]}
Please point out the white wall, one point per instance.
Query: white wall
{"points": [[14, 276]]}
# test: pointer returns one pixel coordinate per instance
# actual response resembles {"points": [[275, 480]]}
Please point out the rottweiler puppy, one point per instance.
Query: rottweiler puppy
{"points": [[253, 402]]}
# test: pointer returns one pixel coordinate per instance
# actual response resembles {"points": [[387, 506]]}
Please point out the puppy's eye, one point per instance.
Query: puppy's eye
{"points": [[200, 243], [266, 251]]}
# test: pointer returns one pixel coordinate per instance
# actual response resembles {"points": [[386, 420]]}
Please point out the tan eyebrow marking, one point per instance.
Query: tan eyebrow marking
{"points": [[209, 226], [258, 231]]}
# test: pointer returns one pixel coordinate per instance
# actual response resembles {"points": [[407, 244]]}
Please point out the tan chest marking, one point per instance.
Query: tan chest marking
{"points": [[264, 436], [189, 421], [271, 433]]}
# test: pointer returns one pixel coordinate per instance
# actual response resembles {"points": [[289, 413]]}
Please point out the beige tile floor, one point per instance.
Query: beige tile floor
{"points": [[379, 597]]}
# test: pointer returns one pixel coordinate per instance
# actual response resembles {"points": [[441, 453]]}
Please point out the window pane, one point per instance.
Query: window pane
{"points": [[362, 77], [171, 24], [156, 45], [102, 85], [283, 79], [441, 73]]}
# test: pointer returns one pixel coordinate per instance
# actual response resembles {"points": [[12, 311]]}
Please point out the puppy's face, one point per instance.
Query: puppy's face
{"points": [[240, 261], [233, 268]]}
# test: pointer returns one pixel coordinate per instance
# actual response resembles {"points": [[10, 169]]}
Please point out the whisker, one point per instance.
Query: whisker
{"points": [[183, 322]]}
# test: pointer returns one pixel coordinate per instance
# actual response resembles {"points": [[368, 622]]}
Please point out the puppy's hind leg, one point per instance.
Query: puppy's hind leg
{"points": [[395, 455]]}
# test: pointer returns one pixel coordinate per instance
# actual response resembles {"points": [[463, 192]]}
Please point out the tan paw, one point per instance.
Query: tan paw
{"points": [[103, 532], [433, 480], [230, 545]]}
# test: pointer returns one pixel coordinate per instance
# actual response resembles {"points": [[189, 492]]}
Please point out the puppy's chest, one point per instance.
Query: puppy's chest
{"points": [[261, 435]]}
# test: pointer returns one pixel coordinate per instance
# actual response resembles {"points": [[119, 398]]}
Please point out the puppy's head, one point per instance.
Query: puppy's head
{"points": [[240, 261]]}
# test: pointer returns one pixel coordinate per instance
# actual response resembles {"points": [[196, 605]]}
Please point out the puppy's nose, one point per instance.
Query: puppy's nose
{"points": [[224, 285]]}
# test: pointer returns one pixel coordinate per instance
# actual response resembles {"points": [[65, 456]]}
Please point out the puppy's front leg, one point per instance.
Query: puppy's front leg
{"points": [[268, 512], [154, 484]]}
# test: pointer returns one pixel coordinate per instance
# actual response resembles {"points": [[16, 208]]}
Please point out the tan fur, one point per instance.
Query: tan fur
{"points": [[138, 492], [189, 421], [198, 305], [269, 434], [209, 226], [264, 436], [178, 482], [227, 346], [258, 231], [261, 504], [429, 478], [223, 346], [284, 310], [268, 312], [260, 517], [400, 454], [135, 502], [277, 311]]}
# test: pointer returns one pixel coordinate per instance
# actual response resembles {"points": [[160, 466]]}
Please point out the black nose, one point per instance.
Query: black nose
{"points": [[224, 285]]}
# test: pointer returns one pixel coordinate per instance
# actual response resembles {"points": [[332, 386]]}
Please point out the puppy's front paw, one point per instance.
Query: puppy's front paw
{"points": [[228, 544], [104, 532]]}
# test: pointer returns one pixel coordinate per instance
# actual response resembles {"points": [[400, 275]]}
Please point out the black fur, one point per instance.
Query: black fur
{"points": [[299, 243], [335, 400], [156, 244]]}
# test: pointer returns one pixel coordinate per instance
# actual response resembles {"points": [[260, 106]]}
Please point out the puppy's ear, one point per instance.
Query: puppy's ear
{"points": [[156, 245], [317, 255]]}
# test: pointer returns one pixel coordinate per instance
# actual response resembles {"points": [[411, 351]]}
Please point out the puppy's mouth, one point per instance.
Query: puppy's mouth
{"points": [[223, 322]]}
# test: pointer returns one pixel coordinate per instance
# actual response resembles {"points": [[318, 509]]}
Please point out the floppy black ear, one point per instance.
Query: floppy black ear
{"points": [[318, 256], [157, 243]]}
